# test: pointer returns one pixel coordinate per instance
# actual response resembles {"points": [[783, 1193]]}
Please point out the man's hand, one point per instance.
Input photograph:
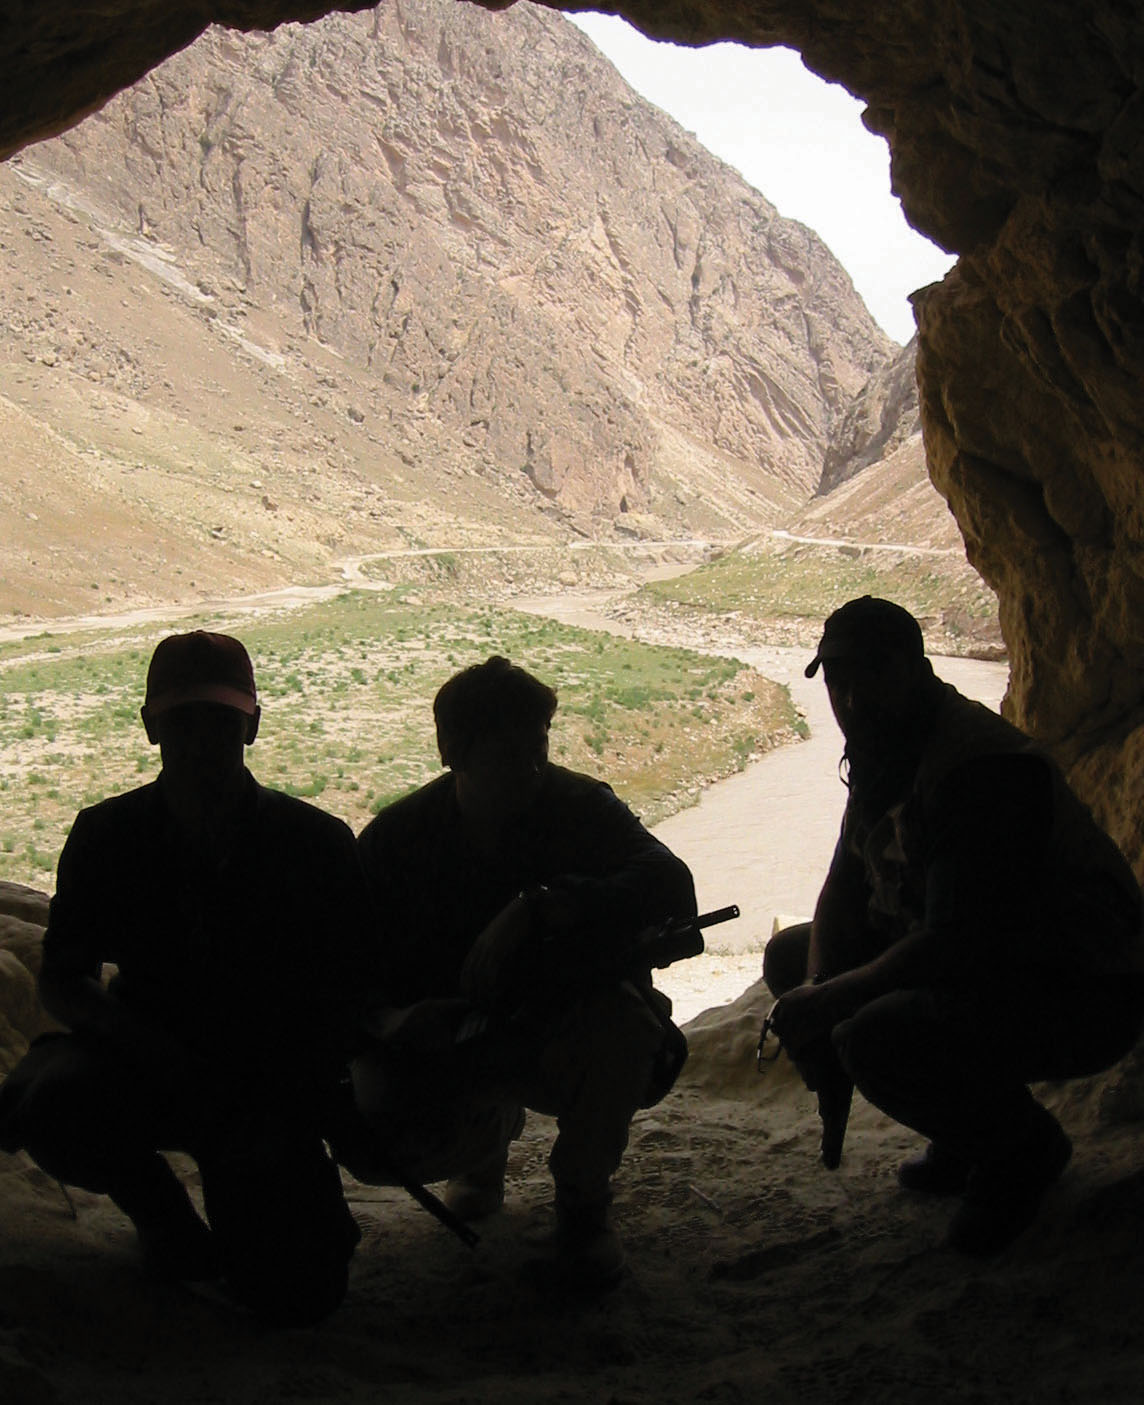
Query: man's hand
{"points": [[805, 1014], [85, 1006], [428, 1025], [495, 976]]}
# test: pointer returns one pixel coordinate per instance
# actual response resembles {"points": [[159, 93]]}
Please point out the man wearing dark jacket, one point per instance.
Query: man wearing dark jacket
{"points": [[236, 917], [977, 931], [513, 892]]}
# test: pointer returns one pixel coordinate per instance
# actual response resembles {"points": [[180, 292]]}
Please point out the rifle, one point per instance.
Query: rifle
{"points": [[679, 939], [354, 1146], [438, 1209], [823, 1075], [539, 962]]}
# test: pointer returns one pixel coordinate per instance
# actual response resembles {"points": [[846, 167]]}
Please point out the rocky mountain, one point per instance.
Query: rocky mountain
{"points": [[888, 501], [445, 257], [879, 420]]}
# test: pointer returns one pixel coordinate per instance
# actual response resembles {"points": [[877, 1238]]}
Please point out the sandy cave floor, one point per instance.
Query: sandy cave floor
{"points": [[754, 1273]]}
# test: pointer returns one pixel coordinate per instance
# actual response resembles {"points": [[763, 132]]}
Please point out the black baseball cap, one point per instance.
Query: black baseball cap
{"points": [[200, 667], [868, 627]]}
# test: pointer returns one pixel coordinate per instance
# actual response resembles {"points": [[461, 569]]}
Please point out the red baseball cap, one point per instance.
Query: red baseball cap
{"points": [[200, 667]]}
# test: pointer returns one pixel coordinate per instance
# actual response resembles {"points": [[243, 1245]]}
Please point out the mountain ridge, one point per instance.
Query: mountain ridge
{"points": [[614, 356]]}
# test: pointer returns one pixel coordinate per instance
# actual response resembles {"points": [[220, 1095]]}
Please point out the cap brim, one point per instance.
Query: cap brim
{"points": [[835, 649], [203, 692]]}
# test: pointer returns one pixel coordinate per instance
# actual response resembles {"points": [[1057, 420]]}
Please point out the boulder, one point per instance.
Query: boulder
{"points": [[23, 916]]}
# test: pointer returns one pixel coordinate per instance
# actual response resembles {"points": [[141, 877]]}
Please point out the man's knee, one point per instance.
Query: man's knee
{"points": [[888, 1036], [284, 1233], [67, 1107], [785, 958], [601, 1056], [614, 1028]]}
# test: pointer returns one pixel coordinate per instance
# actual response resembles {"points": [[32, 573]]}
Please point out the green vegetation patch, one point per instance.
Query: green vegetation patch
{"points": [[347, 687], [796, 583]]}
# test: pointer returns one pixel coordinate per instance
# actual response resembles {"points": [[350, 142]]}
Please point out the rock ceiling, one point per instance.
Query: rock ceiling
{"points": [[1015, 133]]}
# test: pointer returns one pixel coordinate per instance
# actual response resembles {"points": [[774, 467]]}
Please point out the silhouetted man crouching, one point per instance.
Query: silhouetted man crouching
{"points": [[237, 919], [513, 891], [976, 932]]}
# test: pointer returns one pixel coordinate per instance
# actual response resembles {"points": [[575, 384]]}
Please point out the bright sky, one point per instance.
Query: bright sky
{"points": [[798, 140]]}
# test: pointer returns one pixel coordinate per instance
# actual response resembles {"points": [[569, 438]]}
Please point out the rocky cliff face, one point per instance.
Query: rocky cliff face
{"points": [[880, 418], [479, 213]]}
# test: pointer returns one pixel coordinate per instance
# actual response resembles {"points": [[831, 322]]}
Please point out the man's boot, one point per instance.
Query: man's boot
{"points": [[478, 1191], [937, 1171], [1003, 1195], [584, 1252], [174, 1242]]}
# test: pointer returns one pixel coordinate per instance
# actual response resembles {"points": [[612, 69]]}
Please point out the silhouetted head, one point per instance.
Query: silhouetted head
{"points": [[201, 710], [492, 732], [873, 661], [868, 628]]}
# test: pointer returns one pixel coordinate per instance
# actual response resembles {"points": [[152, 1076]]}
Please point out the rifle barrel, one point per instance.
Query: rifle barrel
{"points": [[441, 1212], [712, 919]]}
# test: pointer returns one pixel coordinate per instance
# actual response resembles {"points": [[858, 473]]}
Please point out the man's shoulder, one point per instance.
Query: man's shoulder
{"points": [[111, 839], [573, 799], [131, 808], [428, 804], [979, 724], [575, 785], [966, 731], [287, 814]]}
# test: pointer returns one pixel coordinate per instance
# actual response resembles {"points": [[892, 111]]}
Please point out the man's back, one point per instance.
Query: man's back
{"points": [[995, 841]]}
